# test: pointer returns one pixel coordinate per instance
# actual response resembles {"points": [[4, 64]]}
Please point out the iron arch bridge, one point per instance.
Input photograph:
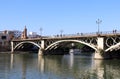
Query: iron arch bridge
{"points": [[54, 44], [100, 43], [19, 45]]}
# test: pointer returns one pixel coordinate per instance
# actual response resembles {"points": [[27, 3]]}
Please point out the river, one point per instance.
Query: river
{"points": [[32, 66]]}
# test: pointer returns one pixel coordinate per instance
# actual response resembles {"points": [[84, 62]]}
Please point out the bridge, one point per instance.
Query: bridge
{"points": [[102, 43]]}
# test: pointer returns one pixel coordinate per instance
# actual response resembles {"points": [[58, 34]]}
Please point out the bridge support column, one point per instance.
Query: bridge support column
{"points": [[100, 47], [12, 49], [42, 44], [100, 43], [98, 55], [41, 50]]}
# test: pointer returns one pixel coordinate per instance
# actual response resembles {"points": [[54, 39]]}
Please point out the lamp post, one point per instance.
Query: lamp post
{"points": [[41, 31], [98, 22], [61, 31]]}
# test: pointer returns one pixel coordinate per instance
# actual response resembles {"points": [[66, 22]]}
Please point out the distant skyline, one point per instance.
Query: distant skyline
{"points": [[70, 16]]}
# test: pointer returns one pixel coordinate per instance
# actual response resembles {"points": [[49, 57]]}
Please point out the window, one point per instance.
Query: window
{"points": [[3, 37]]}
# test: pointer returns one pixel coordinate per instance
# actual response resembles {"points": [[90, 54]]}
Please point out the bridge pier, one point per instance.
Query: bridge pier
{"points": [[100, 52], [97, 55], [100, 48], [100, 43], [12, 49], [101, 55], [40, 52]]}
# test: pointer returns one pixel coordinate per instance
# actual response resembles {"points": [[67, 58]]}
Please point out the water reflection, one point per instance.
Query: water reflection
{"points": [[41, 63], [71, 58], [11, 61], [107, 69], [68, 65], [32, 66]]}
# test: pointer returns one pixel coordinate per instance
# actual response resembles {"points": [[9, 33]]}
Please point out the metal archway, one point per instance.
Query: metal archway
{"points": [[27, 42], [116, 46], [90, 45]]}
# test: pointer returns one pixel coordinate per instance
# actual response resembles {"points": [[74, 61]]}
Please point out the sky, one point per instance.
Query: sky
{"points": [[70, 16]]}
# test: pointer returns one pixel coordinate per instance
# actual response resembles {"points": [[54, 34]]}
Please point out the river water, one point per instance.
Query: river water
{"points": [[32, 66]]}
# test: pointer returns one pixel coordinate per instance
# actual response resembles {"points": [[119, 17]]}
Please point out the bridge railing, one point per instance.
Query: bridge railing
{"points": [[114, 32]]}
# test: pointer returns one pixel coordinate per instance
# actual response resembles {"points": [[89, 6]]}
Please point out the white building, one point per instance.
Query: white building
{"points": [[32, 35]]}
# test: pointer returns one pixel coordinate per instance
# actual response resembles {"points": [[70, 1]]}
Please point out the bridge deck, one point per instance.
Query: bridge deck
{"points": [[70, 36]]}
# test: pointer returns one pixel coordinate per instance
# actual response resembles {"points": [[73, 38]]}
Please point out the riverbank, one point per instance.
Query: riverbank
{"points": [[4, 49]]}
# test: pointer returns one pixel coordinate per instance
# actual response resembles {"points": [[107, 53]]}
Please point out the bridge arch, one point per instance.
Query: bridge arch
{"points": [[113, 47], [27, 42], [78, 41]]}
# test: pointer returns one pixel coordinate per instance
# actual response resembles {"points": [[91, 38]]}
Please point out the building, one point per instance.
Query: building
{"points": [[17, 33], [33, 35], [24, 33], [4, 39], [6, 36]]}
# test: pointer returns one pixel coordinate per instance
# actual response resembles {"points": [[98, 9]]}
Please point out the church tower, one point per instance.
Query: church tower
{"points": [[24, 33]]}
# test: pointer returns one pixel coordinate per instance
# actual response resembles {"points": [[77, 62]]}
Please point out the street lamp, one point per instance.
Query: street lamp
{"points": [[98, 22], [61, 31], [41, 31]]}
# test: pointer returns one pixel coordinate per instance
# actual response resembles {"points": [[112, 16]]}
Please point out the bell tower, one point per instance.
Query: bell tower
{"points": [[24, 33]]}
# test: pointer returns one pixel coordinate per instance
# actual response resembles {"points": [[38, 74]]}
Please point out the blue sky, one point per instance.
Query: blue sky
{"points": [[71, 16]]}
